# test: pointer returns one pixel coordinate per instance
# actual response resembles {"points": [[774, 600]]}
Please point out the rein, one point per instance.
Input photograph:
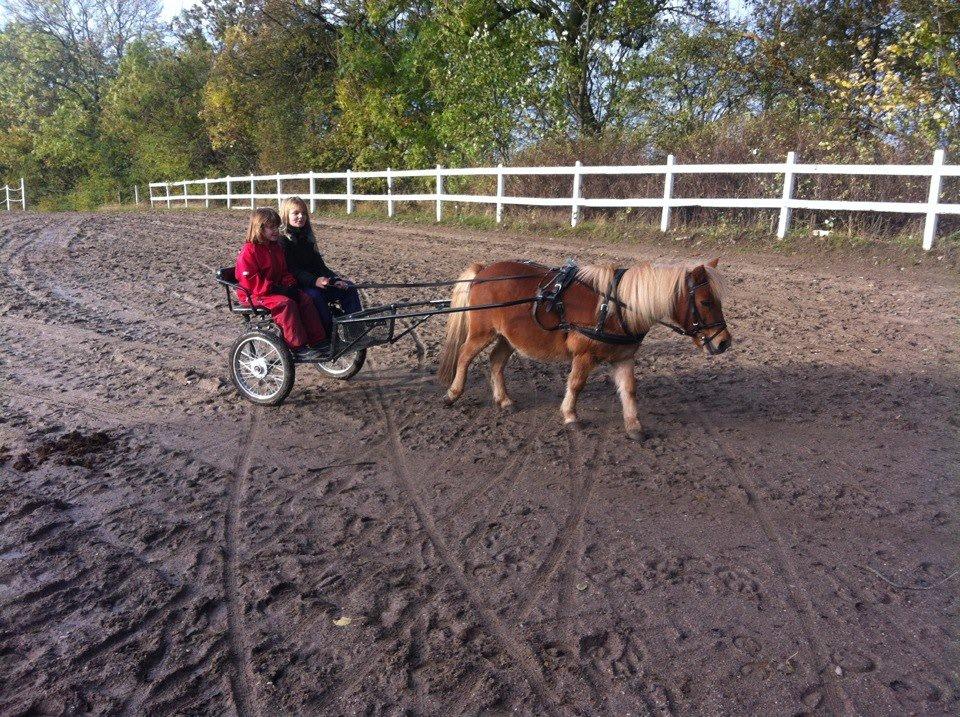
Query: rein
{"points": [[551, 297], [444, 282]]}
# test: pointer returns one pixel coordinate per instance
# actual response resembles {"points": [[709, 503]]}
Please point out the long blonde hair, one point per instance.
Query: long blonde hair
{"points": [[287, 207], [648, 291]]}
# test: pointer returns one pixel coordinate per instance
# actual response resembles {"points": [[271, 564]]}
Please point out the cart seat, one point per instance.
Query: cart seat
{"points": [[227, 276]]}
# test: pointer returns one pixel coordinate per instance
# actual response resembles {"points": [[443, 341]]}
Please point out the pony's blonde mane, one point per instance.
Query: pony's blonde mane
{"points": [[649, 291]]}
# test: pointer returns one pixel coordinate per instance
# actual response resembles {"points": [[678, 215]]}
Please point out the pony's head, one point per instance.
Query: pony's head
{"points": [[699, 311]]}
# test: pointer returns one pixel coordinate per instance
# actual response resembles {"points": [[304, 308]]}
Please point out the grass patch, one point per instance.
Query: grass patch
{"points": [[630, 227]]}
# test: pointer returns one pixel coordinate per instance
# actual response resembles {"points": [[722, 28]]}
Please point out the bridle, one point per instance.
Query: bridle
{"points": [[695, 320]]}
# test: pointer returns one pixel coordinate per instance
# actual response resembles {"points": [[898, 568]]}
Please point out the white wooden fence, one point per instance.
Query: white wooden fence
{"points": [[7, 200], [241, 192]]}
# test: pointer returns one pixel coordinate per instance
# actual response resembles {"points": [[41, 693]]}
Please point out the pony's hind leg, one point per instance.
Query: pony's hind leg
{"points": [[627, 388], [468, 352], [501, 353], [582, 365]]}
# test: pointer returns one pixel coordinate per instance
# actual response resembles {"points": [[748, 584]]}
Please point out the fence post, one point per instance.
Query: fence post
{"points": [[279, 189], [136, 195], [7, 188], [439, 193], [933, 199], [349, 192], [166, 186], [184, 193], [150, 192], [229, 194], [667, 196], [574, 207], [23, 194], [389, 193], [499, 192], [313, 191], [253, 184], [206, 192], [783, 226]]}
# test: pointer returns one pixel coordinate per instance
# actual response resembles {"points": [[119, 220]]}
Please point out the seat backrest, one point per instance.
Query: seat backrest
{"points": [[227, 274]]}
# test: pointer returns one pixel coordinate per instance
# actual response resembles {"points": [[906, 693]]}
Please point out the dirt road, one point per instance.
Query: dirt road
{"points": [[785, 544]]}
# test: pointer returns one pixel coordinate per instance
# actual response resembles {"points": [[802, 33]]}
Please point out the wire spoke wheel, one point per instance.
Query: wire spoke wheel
{"points": [[261, 368], [345, 366]]}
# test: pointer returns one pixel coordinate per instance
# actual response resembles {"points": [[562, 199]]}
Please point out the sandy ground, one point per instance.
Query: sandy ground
{"points": [[781, 547]]}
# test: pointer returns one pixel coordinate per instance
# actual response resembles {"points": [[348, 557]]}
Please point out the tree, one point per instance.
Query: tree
{"points": [[269, 98], [151, 112], [89, 37]]}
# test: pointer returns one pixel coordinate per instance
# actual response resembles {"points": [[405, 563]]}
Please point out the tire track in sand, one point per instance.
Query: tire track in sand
{"points": [[515, 468], [577, 466], [836, 700], [524, 659], [410, 614], [242, 683]]}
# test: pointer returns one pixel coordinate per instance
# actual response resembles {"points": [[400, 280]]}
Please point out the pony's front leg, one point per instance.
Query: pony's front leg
{"points": [[627, 388], [583, 364]]}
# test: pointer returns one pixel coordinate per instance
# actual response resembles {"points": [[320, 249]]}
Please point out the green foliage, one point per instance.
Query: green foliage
{"points": [[273, 85], [152, 112]]}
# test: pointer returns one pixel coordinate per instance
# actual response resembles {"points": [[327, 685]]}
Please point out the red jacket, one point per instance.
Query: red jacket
{"points": [[261, 268]]}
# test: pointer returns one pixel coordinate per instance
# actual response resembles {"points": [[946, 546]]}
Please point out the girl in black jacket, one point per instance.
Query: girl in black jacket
{"points": [[306, 263]]}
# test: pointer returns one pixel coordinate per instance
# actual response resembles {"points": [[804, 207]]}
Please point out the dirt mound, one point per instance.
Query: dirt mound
{"points": [[785, 544], [74, 448]]}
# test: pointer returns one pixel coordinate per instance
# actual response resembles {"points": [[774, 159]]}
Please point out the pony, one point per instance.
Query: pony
{"points": [[585, 330]]}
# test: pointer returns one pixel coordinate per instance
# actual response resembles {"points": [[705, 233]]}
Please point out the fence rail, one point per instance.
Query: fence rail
{"points": [[7, 200], [785, 203]]}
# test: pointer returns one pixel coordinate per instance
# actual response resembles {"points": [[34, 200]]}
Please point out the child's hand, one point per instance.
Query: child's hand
{"points": [[322, 281]]}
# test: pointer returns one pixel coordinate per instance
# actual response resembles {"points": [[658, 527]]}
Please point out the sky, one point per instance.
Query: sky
{"points": [[172, 8]]}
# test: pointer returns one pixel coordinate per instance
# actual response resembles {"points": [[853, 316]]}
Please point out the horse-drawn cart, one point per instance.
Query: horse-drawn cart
{"points": [[586, 316], [263, 367]]}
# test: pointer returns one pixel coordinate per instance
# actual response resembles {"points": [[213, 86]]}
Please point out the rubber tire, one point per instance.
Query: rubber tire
{"points": [[286, 363], [359, 358]]}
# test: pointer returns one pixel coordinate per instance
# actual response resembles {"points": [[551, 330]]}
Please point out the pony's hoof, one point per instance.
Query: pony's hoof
{"points": [[448, 400], [636, 435], [508, 407]]}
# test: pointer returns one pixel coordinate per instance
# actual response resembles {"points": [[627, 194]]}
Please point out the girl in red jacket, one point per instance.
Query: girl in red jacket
{"points": [[262, 271]]}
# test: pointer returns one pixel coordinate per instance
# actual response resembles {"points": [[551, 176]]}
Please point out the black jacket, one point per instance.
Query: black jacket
{"points": [[304, 259]]}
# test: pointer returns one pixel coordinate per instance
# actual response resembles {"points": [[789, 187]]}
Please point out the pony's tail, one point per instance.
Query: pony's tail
{"points": [[456, 325]]}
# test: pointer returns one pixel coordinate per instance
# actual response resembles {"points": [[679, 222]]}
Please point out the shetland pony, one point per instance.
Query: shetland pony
{"points": [[648, 293]]}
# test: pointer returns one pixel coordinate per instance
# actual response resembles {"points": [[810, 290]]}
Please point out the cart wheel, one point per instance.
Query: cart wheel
{"points": [[261, 368], [345, 366]]}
